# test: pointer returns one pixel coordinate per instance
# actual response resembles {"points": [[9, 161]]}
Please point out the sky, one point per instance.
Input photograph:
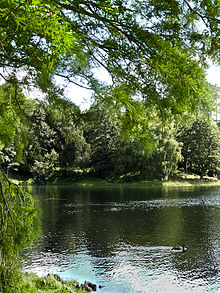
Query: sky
{"points": [[82, 97], [213, 75]]}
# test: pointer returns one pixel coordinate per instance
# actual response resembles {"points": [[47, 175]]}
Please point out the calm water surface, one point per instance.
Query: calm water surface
{"points": [[121, 237]]}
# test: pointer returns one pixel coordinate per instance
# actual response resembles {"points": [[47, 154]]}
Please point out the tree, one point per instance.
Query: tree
{"points": [[7, 157], [12, 114], [128, 159], [103, 136], [162, 163], [41, 170], [55, 140], [70, 144], [75, 151], [41, 139], [19, 224], [19, 227], [149, 49], [14, 124], [201, 146]]}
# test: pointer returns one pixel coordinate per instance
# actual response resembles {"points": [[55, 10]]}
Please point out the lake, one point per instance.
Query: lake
{"points": [[121, 237]]}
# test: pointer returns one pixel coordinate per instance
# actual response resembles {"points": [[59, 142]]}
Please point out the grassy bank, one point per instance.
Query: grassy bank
{"points": [[31, 283], [171, 183], [180, 180]]}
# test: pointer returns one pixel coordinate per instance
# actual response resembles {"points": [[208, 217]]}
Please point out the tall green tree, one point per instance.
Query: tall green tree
{"points": [[201, 146], [55, 139], [102, 133], [162, 163]]}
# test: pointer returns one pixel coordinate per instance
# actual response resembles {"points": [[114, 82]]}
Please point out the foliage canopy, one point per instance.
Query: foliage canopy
{"points": [[150, 48]]}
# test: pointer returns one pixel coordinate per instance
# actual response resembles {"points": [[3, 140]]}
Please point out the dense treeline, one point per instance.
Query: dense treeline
{"points": [[61, 141]]}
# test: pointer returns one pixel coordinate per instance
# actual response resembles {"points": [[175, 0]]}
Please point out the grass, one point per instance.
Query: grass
{"points": [[181, 179], [77, 178], [31, 283]]}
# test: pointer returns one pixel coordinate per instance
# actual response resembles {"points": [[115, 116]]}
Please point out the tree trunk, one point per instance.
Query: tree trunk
{"points": [[201, 175]]}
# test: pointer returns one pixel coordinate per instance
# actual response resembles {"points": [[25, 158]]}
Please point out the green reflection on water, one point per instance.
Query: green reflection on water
{"points": [[106, 232]]}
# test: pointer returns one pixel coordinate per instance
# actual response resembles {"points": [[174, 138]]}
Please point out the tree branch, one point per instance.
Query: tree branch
{"points": [[71, 81], [203, 17]]}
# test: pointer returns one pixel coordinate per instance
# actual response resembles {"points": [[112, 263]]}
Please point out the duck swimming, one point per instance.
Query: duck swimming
{"points": [[182, 248]]}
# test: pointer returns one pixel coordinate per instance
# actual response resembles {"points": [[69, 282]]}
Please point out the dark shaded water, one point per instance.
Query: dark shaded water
{"points": [[121, 237]]}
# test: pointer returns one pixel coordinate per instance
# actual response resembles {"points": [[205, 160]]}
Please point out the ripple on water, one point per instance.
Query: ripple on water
{"points": [[102, 240]]}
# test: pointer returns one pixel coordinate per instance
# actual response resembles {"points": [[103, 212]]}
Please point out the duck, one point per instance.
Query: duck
{"points": [[182, 248]]}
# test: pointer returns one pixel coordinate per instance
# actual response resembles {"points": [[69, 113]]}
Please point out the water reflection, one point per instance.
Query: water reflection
{"points": [[121, 237]]}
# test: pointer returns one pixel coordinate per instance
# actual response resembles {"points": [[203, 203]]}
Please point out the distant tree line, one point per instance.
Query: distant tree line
{"points": [[60, 140]]}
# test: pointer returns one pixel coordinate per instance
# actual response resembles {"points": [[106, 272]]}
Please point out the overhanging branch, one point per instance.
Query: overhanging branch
{"points": [[203, 17], [71, 81]]}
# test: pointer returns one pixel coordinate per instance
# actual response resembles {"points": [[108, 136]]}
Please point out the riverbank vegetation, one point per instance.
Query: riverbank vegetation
{"points": [[65, 144], [151, 121], [52, 283]]}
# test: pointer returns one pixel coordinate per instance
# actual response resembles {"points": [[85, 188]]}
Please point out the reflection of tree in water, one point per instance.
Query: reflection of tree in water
{"points": [[102, 220], [200, 260]]}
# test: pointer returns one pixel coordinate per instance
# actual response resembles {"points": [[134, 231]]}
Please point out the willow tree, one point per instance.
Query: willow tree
{"points": [[19, 223]]}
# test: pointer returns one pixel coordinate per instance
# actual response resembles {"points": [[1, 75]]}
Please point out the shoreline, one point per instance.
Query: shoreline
{"points": [[94, 182], [53, 283]]}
